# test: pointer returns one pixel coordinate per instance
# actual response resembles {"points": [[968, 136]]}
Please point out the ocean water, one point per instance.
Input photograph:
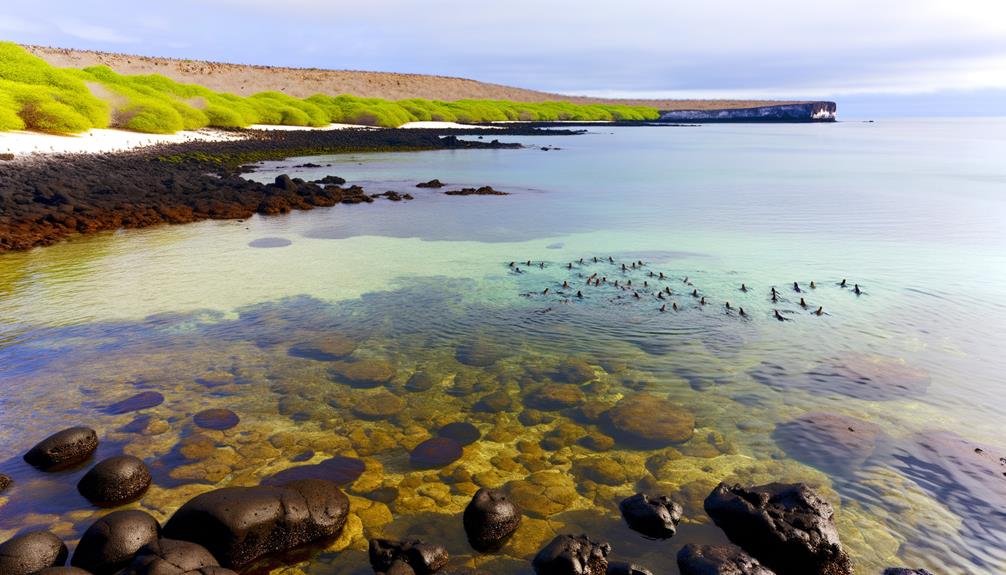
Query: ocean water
{"points": [[890, 403]]}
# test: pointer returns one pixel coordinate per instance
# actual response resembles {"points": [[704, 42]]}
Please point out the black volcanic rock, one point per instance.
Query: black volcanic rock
{"points": [[431, 184], [339, 469], [623, 568], [142, 400], [111, 542], [572, 555], [5, 482], [241, 524], [787, 527], [461, 431], [219, 419], [718, 560], [655, 517], [483, 191], [63, 449], [171, 557], [403, 557], [115, 481], [490, 519], [31, 552], [63, 571]]}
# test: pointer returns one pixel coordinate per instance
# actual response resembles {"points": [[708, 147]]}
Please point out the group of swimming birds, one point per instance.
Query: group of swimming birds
{"points": [[650, 287]]}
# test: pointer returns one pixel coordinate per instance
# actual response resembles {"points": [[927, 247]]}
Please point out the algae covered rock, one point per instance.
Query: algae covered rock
{"points": [[650, 421], [827, 440], [365, 373], [543, 493]]}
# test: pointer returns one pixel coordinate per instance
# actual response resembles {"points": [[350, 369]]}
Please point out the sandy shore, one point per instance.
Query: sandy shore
{"points": [[99, 141]]}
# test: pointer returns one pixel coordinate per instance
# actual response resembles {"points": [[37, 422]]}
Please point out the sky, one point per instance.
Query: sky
{"points": [[874, 57]]}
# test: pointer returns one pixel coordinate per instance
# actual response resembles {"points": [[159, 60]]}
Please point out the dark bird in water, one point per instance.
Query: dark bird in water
{"points": [[616, 283], [589, 281], [684, 281], [774, 298], [842, 283], [595, 259], [744, 288], [652, 274], [695, 293], [624, 268], [579, 294], [597, 282], [856, 290], [796, 287], [740, 310], [813, 285], [640, 262], [803, 304], [541, 265], [635, 295], [611, 260], [569, 266], [703, 300], [819, 311], [518, 270], [512, 264], [661, 275], [628, 282], [604, 279], [581, 260], [565, 284], [545, 292], [593, 275], [663, 307], [529, 263], [773, 290], [660, 295], [728, 305], [646, 283], [778, 315], [674, 306], [668, 290]]}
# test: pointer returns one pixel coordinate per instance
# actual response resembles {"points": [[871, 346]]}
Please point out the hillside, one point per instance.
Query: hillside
{"points": [[245, 80]]}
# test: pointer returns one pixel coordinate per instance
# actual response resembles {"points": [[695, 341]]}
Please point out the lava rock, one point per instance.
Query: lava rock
{"points": [[63, 449], [240, 524], [339, 469], [622, 568], [5, 482], [572, 555], [650, 421], [115, 481], [435, 453], [718, 560], [421, 558], [431, 184], [787, 527], [219, 419], [461, 431], [63, 571], [490, 519], [171, 557], [657, 517], [481, 191], [31, 552], [333, 180], [111, 542], [144, 400]]}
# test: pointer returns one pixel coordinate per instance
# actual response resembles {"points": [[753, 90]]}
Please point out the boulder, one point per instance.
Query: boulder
{"points": [[655, 517], [31, 552], [63, 449], [490, 519], [787, 527], [339, 469], [143, 400], [403, 557], [171, 557], [905, 571], [111, 542], [219, 419], [718, 560], [5, 482], [431, 184], [828, 441], [650, 421], [461, 431], [422, 381], [380, 405], [328, 348], [63, 571], [115, 481], [240, 524], [479, 352], [365, 373], [436, 453], [623, 568], [572, 555], [555, 396]]}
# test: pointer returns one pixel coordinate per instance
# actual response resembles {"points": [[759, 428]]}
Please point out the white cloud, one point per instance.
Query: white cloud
{"points": [[92, 32]]}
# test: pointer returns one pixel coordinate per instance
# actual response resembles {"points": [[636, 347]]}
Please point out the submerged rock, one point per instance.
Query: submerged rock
{"points": [[115, 481], [543, 493], [143, 400], [656, 517], [431, 184], [331, 347], [479, 352], [828, 441], [421, 558], [422, 381], [490, 519], [111, 542], [718, 560], [435, 453], [63, 449], [269, 243], [63, 571], [572, 555], [5, 482], [365, 373], [171, 557], [575, 371], [555, 396], [31, 552], [219, 419], [622, 568], [787, 527], [339, 469], [905, 571], [870, 377], [240, 524], [380, 405], [461, 431], [650, 421]]}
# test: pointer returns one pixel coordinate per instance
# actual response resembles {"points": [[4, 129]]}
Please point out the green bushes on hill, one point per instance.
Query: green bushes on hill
{"points": [[37, 96]]}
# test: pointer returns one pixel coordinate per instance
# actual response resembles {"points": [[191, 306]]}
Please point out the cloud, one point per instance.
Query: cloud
{"points": [[92, 32], [9, 23]]}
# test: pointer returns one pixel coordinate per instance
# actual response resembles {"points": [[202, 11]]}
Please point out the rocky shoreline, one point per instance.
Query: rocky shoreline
{"points": [[46, 199]]}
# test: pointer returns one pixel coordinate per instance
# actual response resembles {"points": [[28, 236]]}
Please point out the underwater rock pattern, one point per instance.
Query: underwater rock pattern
{"points": [[239, 524], [421, 558]]}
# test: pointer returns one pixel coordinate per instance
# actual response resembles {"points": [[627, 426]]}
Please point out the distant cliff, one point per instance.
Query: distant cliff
{"points": [[802, 112]]}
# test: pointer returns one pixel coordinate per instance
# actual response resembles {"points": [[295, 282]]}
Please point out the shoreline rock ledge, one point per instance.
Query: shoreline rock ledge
{"points": [[787, 527], [240, 524]]}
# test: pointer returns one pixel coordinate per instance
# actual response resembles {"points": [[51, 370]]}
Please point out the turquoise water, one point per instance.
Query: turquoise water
{"points": [[912, 211]]}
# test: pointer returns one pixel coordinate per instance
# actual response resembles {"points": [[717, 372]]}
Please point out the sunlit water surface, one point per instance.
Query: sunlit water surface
{"points": [[912, 211]]}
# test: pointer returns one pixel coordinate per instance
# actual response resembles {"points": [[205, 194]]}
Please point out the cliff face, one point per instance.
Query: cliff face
{"points": [[802, 112]]}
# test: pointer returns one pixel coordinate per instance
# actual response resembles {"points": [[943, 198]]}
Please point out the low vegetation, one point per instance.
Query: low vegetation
{"points": [[37, 96]]}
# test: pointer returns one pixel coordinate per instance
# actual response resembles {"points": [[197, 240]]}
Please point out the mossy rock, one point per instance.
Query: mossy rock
{"points": [[650, 421], [543, 493], [380, 405], [555, 396], [365, 373]]}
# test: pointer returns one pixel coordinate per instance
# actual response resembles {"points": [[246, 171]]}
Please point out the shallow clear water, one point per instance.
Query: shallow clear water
{"points": [[912, 211]]}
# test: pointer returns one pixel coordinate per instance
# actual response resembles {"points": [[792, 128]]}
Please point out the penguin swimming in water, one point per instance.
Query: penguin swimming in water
{"points": [[628, 282], [778, 315], [702, 301], [819, 311], [624, 268], [856, 290], [569, 266], [541, 265], [740, 311], [616, 283], [774, 291], [803, 304], [595, 259], [667, 290], [528, 263], [774, 298], [611, 260], [813, 285], [581, 260], [728, 305], [842, 283], [663, 307], [545, 292], [512, 264], [684, 281], [695, 293], [796, 287], [579, 294], [661, 275], [660, 295], [646, 283], [674, 306], [744, 288], [635, 294], [652, 274], [565, 284]]}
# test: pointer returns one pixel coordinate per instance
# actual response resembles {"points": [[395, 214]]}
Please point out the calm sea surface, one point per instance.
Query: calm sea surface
{"points": [[892, 403]]}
